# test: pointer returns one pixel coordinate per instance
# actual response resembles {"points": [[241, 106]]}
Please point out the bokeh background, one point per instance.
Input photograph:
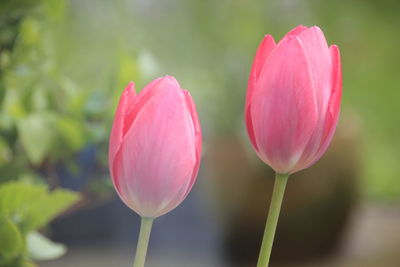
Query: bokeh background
{"points": [[63, 65]]}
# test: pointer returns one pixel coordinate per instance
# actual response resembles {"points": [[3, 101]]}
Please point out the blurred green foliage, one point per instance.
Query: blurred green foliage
{"points": [[41, 105], [46, 115], [33, 127], [24, 209]]}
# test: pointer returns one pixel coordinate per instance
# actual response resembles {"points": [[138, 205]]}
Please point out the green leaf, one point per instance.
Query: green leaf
{"points": [[11, 242], [55, 9], [39, 98], [32, 206], [70, 133], [5, 152], [41, 248], [46, 208], [37, 135], [27, 263], [30, 31], [17, 197], [12, 103], [9, 172]]}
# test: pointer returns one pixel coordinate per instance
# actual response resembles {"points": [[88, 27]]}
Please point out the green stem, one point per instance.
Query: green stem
{"points": [[272, 220], [143, 242]]}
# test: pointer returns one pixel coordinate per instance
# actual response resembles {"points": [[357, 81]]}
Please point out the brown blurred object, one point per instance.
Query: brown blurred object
{"points": [[316, 209]]}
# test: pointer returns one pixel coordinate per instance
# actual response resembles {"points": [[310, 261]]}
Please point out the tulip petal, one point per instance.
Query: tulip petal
{"points": [[319, 59], [283, 110], [263, 51], [157, 161], [296, 31], [332, 116], [128, 107], [141, 99], [198, 136], [116, 136]]}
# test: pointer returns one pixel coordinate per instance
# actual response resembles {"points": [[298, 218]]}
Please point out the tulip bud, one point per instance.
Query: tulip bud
{"points": [[293, 99], [155, 147]]}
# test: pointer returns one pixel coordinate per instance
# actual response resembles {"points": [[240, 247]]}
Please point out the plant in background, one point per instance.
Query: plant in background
{"points": [[42, 114], [292, 109], [26, 208], [43, 118], [154, 152]]}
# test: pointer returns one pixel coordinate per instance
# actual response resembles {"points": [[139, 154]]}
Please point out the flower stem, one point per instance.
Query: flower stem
{"points": [[143, 242], [272, 220]]}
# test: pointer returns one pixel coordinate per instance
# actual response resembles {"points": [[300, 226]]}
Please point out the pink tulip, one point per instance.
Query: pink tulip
{"points": [[293, 99], [155, 147]]}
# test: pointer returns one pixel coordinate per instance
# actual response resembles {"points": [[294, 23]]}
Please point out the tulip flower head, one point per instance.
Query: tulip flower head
{"points": [[155, 147], [293, 99]]}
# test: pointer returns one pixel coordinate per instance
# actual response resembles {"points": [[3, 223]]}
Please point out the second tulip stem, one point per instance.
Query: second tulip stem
{"points": [[272, 220], [143, 242]]}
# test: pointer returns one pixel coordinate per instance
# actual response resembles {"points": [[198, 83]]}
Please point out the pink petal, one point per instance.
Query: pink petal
{"points": [[264, 50], [116, 136], [196, 123], [296, 31], [158, 153], [319, 59], [283, 110], [129, 105], [332, 116], [143, 97]]}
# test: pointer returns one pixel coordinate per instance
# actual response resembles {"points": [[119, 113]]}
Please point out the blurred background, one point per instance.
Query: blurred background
{"points": [[63, 65]]}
